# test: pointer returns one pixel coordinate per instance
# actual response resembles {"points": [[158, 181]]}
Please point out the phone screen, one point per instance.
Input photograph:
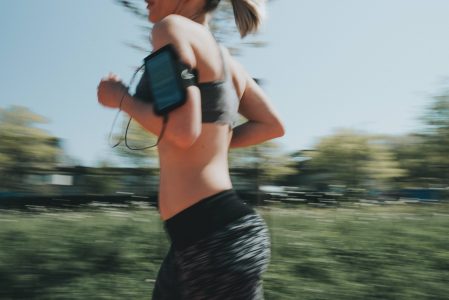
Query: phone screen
{"points": [[163, 81]]}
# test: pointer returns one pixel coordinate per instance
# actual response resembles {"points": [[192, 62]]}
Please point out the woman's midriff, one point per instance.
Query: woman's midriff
{"points": [[187, 176]]}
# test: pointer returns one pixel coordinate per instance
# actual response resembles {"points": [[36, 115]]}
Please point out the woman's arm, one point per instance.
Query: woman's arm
{"points": [[263, 122], [184, 123]]}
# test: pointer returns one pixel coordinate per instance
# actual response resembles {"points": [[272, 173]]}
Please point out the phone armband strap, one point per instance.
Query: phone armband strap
{"points": [[188, 76]]}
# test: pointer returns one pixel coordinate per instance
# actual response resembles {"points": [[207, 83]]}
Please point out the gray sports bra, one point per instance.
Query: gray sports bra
{"points": [[219, 100]]}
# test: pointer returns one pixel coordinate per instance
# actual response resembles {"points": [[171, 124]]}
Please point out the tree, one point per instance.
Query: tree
{"points": [[383, 168], [435, 139], [24, 148], [354, 160], [267, 160], [409, 153]]}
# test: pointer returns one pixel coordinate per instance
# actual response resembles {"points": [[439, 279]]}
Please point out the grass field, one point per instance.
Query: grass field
{"points": [[379, 252]]}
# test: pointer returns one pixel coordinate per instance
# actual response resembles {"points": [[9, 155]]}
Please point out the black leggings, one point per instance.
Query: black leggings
{"points": [[220, 255]]}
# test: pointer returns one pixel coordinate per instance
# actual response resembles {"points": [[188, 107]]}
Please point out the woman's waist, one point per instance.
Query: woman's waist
{"points": [[193, 162], [195, 181], [181, 187], [175, 197]]}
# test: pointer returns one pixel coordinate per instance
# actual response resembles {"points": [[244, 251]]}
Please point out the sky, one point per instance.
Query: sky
{"points": [[368, 65]]}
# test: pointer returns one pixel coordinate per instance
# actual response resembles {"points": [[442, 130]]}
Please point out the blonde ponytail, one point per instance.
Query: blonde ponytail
{"points": [[248, 15]]}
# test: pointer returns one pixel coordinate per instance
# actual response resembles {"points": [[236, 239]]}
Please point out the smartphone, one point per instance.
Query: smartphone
{"points": [[163, 71]]}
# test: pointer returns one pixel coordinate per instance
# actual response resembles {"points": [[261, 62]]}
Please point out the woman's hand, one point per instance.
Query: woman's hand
{"points": [[111, 91]]}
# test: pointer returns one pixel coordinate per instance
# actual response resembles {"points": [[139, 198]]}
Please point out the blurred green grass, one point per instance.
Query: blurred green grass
{"points": [[379, 252]]}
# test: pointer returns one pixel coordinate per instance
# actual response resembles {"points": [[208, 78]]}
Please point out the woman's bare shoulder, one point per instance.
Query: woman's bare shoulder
{"points": [[198, 48], [177, 26], [172, 30]]}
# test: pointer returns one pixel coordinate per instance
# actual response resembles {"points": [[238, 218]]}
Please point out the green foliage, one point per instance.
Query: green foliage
{"points": [[24, 148], [435, 146], [424, 155], [368, 253], [395, 252], [267, 159], [355, 160], [108, 254]]}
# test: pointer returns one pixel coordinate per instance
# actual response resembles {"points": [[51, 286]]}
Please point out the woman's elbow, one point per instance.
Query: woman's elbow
{"points": [[278, 129]]}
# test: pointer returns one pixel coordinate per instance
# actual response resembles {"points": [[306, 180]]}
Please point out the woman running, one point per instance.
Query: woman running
{"points": [[219, 246]]}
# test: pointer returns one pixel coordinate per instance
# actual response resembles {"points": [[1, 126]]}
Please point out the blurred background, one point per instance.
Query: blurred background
{"points": [[355, 194]]}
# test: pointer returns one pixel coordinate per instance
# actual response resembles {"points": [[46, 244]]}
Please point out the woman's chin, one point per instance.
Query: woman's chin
{"points": [[152, 18]]}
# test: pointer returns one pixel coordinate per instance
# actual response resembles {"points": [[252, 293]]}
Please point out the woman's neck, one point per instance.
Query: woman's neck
{"points": [[202, 19]]}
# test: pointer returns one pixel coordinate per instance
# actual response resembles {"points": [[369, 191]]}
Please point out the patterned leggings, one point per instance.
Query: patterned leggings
{"points": [[225, 265]]}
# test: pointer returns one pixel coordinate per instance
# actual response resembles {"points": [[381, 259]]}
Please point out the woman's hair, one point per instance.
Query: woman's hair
{"points": [[248, 14]]}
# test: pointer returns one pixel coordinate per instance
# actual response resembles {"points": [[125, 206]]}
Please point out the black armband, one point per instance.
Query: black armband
{"points": [[165, 80]]}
